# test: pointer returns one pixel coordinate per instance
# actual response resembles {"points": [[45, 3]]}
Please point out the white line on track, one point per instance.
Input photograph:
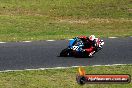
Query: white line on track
{"points": [[113, 37], [119, 64], [96, 65], [60, 68], [70, 39], [55, 40], [27, 41], [11, 70], [50, 40], [109, 65], [2, 42]]}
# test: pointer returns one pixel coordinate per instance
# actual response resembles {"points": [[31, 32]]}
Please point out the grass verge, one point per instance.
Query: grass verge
{"points": [[60, 78], [22, 20]]}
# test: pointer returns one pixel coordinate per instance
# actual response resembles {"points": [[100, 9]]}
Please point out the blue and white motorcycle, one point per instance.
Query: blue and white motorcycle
{"points": [[75, 48]]}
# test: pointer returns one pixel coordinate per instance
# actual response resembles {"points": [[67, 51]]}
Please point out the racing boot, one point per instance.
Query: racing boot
{"points": [[91, 54]]}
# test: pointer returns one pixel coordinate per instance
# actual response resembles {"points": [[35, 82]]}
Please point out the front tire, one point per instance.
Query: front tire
{"points": [[65, 52]]}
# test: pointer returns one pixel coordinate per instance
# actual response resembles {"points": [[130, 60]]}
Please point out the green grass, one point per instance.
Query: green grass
{"points": [[61, 19], [60, 78]]}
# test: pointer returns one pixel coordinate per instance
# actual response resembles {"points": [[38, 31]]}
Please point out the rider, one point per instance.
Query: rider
{"points": [[89, 44]]}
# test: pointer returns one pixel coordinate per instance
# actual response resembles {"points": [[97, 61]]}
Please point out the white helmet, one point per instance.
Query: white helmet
{"points": [[91, 37]]}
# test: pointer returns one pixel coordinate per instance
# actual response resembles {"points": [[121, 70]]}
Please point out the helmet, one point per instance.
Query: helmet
{"points": [[91, 37]]}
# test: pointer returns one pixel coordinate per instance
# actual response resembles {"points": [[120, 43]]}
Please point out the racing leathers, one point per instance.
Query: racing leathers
{"points": [[89, 46]]}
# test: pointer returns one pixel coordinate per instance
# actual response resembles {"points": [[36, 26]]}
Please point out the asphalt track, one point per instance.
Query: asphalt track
{"points": [[44, 54]]}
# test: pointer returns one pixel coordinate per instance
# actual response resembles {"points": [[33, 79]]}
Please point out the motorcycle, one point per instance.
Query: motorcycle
{"points": [[76, 48]]}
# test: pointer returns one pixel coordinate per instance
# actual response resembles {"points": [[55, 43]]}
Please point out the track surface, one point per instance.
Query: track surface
{"points": [[43, 54]]}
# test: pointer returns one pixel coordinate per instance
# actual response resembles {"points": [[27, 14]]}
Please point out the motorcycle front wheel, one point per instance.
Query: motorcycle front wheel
{"points": [[65, 53]]}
